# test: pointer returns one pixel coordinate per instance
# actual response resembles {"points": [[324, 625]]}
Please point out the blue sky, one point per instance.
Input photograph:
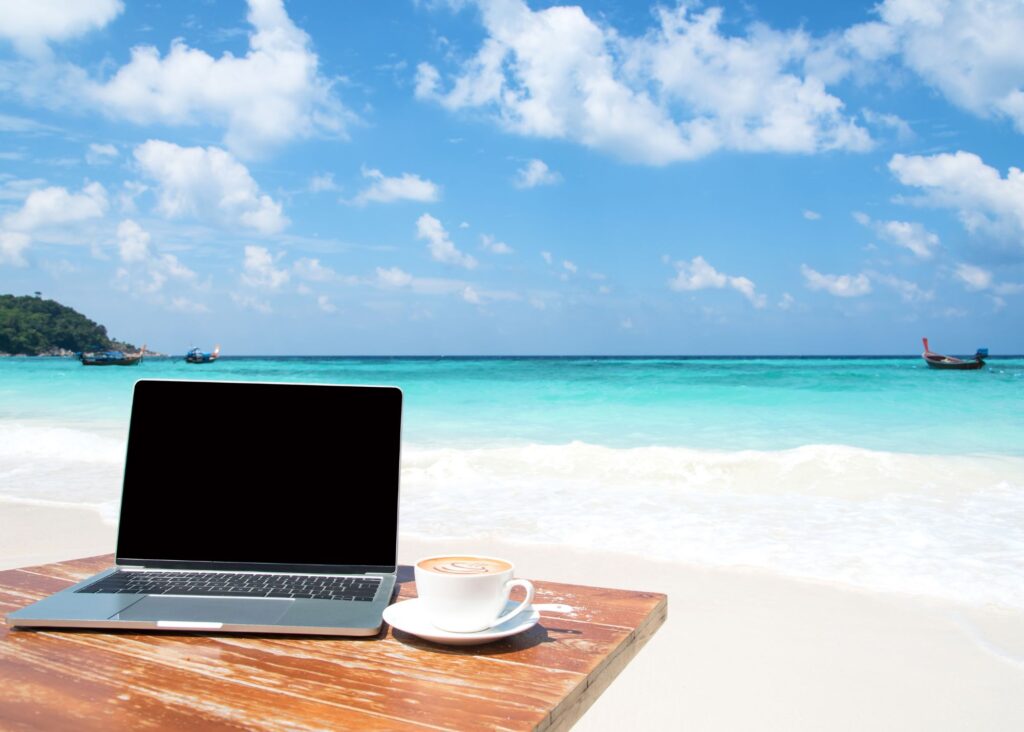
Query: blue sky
{"points": [[502, 177]]}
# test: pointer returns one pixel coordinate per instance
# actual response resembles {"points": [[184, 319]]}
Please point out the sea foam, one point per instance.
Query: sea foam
{"points": [[947, 526], [941, 526]]}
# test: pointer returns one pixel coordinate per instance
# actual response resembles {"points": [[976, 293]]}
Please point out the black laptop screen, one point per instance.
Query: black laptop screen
{"points": [[249, 474]]}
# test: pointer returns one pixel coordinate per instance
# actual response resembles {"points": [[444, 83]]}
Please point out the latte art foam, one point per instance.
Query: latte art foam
{"points": [[464, 565]]}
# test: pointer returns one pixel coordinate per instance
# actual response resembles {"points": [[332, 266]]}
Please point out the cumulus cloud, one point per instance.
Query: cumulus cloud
{"points": [[324, 303], [967, 49], [31, 26], [838, 285], [100, 154], [311, 270], [492, 245], [974, 278], [12, 248], [272, 94], [132, 241], [470, 295], [393, 277], [258, 269], [406, 187], [570, 266], [907, 234], [680, 91], [535, 173], [811, 215], [897, 124], [547, 257], [53, 206], [325, 182], [144, 271], [697, 274], [440, 244], [908, 291], [207, 183], [983, 199]]}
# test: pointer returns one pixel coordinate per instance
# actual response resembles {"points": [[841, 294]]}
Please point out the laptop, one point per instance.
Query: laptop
{"points": [[249, 508]]}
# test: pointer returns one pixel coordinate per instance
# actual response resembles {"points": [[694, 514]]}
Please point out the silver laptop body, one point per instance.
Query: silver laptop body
{"points": [[241, 513]]}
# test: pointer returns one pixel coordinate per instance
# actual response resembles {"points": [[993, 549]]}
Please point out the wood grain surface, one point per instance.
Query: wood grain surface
{"points": [[543, 679]]}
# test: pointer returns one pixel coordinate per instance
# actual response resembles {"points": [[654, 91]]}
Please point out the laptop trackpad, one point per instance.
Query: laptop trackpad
{"points": [[212, 610]]}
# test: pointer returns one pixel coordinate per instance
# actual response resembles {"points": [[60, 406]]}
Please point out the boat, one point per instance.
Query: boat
{"points": [[196, 356], [938, 361], [111, 358]]}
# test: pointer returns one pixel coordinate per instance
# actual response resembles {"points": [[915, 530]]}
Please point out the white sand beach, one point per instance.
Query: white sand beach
{"points": [[741, 649]]}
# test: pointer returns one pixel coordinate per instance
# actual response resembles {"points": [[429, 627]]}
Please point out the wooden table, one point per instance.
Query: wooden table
{"points": [[544, 679]]}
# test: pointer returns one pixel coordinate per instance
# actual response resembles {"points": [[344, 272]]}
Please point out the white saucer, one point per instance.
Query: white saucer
{"points": [[408, 616]]}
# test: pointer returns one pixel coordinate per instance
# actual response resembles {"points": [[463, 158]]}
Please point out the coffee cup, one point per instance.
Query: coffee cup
{"points": [[467, 594]]}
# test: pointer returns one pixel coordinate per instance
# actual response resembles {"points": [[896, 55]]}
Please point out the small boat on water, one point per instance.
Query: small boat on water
{"points": [[938, 361], [111, 358], [197, 356]]}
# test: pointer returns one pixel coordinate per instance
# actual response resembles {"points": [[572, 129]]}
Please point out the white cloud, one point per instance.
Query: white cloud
{"points": [[31, 26], [570, 266], [811, 215], [312, 270], [184, 305], [248, 301], [678, 92], [697, 274], [12, 248], [145, 272], [207, 183], [891, 121], [907, 234], [272, 94], [325, 182], [974, 278], [100, 154], [967, 49], [535, 173], [54, 206], [258, 269], [393, 277], [132, 241], [838, 285], [407, 187], [546, 256], [440, 245], [471, 296], [492, 245], [787, 301], [908, 291], [984, 200], [324, 303]]}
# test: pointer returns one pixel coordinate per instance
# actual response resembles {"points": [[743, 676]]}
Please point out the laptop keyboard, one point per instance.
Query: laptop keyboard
{"points": [[233, 584]]}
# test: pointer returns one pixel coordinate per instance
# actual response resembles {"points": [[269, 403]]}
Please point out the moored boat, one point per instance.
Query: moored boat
{"points": [[111, 358], [197, 356], [938, 361]]}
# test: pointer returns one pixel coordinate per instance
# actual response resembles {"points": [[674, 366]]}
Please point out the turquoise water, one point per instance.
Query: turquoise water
{"points": [[723, 404], [876, 473]]}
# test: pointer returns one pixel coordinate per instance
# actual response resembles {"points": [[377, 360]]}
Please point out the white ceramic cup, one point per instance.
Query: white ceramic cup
{"points": [[469, 602]]}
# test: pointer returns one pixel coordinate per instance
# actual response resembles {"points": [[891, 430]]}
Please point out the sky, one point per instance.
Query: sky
{"points": [[506, 177]]}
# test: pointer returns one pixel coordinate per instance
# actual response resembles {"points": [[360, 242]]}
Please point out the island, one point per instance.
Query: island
{"points": [[33, 326]]}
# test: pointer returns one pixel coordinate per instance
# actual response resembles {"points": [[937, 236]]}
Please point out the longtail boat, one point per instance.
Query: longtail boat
{"points": [[197, 356], [938, 361], [111, 358]]}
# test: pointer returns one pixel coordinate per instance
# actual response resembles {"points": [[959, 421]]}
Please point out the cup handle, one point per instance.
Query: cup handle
{"points": [[526, 585]]}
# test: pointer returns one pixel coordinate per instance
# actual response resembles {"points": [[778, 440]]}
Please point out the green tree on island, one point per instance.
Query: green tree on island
{"points": [[34, 326]]}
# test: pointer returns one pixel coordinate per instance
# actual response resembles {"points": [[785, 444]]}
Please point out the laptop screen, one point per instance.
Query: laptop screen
{"points": [[272, 476]]}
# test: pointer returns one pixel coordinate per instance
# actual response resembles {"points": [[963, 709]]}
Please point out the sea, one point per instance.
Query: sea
{"points": [[873, 473]]}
